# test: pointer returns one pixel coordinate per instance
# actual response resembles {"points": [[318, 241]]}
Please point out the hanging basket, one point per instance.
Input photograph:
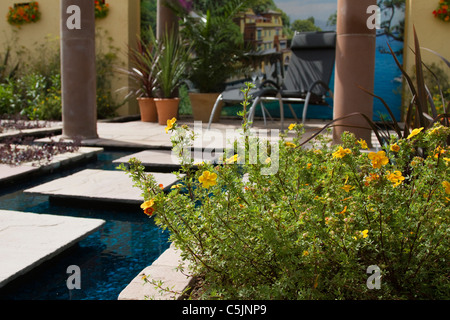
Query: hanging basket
{"points": [[443, 11], [23, 13], [101, 9]]}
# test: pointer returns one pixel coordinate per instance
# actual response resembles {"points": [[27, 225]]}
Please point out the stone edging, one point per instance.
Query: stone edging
{"points": [[163, 269]]}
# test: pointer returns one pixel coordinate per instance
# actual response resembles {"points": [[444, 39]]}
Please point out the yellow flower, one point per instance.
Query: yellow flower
{"points": [[378, 159], [305, 253], [292, 126], [395, 147], [341, 152], [446, 186], [170, 124], [147, 206], [365, 233], [435, 130], [414, 133], [208, 179], [232, 159], [308, 166], [396, 177], [268, 160], [363, 143], [290, 144], [362, 234], [347, 188]]}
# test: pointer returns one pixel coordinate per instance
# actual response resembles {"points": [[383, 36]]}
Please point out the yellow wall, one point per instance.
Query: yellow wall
{"points": [[432, 33], [122, 24]]}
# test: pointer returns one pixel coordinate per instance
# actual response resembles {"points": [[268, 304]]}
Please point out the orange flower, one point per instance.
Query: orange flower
{"points": [[147, 206]]}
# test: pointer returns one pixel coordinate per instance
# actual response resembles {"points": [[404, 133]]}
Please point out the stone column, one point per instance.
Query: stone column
{"points": [[165, 19], [355, 66], [78, 74]]}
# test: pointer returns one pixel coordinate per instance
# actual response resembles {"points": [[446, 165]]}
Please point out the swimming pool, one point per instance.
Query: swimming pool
{"points": [[109, 259]]}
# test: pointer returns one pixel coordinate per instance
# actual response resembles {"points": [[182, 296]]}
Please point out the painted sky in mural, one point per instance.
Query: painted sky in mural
{"points": [[303, 9]]}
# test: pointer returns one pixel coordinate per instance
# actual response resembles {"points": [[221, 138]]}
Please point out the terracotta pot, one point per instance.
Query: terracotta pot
{"points": [[147, 108], [202, 105], [167, 109]]}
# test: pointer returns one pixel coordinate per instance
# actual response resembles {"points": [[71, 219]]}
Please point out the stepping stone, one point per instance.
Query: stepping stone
{"points": [[99, 185], [164, 160], [29, 239]]}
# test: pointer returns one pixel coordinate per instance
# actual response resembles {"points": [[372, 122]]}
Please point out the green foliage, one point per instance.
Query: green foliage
{"points": [[105, 62], [305, 25], [311, 229], [217, 44], [143, 68], [171, 58], [6, 71], [34, 89], [148, 18]]}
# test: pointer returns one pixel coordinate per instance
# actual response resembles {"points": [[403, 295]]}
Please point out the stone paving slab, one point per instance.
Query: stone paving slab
{"points": [[29, 239], [163, 269], [99, 185]]}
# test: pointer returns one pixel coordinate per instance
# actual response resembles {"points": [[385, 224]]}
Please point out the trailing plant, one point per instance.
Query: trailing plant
{"points": [[16, 151], [314, 227]]}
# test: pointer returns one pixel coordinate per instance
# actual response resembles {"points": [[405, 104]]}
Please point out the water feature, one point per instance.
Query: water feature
{"points": [[108, 259]]}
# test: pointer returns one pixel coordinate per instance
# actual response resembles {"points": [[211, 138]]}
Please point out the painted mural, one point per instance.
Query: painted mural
{"points": [[308, 15]]}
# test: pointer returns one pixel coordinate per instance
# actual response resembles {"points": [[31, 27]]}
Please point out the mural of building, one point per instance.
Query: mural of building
{"points": [[264, 32]]}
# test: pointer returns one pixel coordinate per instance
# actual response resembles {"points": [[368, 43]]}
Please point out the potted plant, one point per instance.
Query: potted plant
{"points": [[171, 59], [143, 74], [218, 48]]}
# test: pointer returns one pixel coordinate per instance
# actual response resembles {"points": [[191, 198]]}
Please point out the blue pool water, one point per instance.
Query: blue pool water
{"points": [[108, 259]]}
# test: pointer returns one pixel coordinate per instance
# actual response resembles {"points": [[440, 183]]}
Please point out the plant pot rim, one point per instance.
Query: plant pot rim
{"points": [[167, 98], [144, 98]]}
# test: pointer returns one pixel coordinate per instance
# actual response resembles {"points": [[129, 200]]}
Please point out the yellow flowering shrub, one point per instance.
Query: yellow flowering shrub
{"points": [[314, 228]]}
